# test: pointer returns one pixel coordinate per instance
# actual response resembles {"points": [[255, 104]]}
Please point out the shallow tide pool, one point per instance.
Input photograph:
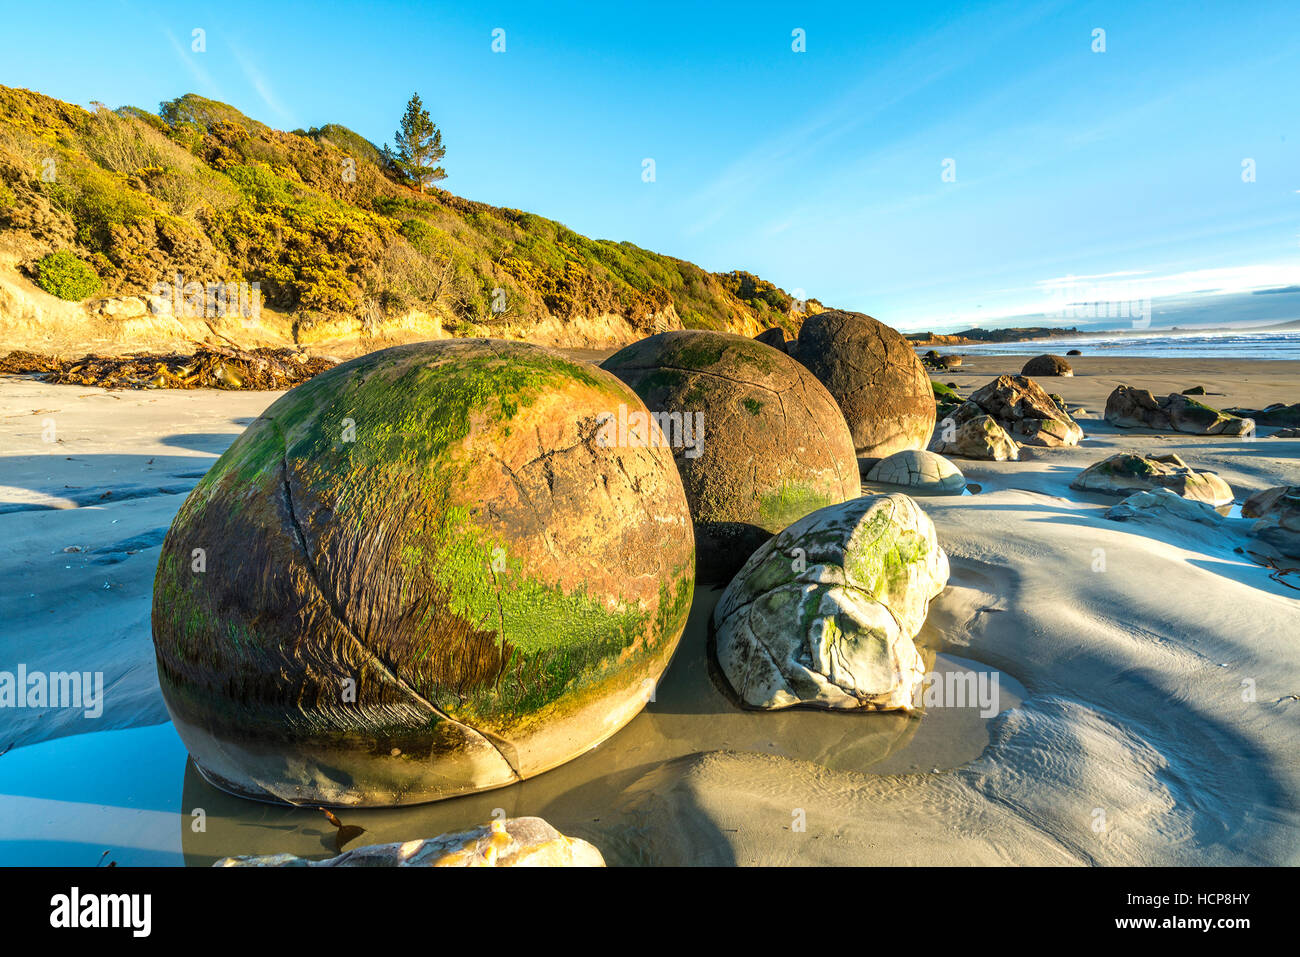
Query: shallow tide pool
{"points": [[132, 796]]}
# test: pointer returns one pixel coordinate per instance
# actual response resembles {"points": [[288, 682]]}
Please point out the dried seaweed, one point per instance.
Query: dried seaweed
{"points": [[209, 367]]}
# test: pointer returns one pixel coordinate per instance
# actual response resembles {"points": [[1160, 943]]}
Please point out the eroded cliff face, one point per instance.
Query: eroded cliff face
{"points": [[33, 320]]}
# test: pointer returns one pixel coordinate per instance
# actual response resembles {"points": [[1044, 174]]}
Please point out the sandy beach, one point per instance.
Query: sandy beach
{"points": [[1146, 673]]}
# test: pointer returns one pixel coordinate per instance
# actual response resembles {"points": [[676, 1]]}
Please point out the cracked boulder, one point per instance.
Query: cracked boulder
{"points": [[421, 574], [1278, 513], [758, 440], [1024, 411], [1131, 408], [826, 613], [919, 469], [1127, 472], [978, 437], [876, 377]]}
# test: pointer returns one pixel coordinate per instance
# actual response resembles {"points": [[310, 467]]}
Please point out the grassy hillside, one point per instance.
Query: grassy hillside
{"points": [[317, 220]]}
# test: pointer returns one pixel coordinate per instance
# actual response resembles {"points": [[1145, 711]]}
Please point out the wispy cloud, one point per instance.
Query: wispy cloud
{"points": [[257, 80], [201, 76]]}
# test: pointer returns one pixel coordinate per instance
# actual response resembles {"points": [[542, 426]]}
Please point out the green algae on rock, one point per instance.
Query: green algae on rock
{"points": [[1127, 472], [825, 613], [758, 440], [420, 574]]}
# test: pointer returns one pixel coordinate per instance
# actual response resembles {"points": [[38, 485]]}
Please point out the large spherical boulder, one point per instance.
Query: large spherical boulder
{"points": [[1047, 365], [758, 440], [875, 376], [420, 574]]}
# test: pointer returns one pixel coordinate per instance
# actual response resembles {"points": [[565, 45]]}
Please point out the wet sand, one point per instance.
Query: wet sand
{"points": [[1144, 713]]}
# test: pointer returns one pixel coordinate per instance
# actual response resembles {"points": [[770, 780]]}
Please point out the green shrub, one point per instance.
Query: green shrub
{"points": [[62, 274]]}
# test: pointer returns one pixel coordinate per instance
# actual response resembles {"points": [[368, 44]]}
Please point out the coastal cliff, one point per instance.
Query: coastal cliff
{"points": [[125, 230]]}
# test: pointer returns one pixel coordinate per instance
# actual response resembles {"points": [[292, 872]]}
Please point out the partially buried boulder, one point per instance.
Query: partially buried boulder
{"points": [[826, 613], [759, 442], [875, 376], [1047, 365], [1021, 407], [1131, 408], [1127, 472], [919, 469], [421, 574], [1164, 507], [513, 842], [976, 438], [1278, 513]]}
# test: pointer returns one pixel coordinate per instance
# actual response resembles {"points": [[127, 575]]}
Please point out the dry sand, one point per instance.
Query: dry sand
{"points": [[1145, 671]]}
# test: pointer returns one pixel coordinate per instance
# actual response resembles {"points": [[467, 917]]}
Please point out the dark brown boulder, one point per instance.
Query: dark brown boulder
{"points": [[875, 376], [760, 443], [774, 337], [1047, 365]]}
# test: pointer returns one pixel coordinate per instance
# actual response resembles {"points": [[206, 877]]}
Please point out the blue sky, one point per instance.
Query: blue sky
{"points": [[819, 170]]}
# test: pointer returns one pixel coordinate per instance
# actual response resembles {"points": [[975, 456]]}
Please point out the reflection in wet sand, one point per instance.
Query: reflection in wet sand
{"points": [[692, 713]]}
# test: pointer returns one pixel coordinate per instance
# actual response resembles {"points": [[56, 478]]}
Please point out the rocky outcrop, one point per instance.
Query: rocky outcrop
{"points": [[1131, 408], [874, 375], [514, 842], [1127, 472], [1164, 507], [825, 613], [1278, 513], [933, 360], [1023, 410], [760, 441], [920, 469], [1047, 365], [1277, 415], [976, 438]]}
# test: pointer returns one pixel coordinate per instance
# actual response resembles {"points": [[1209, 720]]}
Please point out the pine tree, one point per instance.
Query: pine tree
{"points": [[419, 147]]}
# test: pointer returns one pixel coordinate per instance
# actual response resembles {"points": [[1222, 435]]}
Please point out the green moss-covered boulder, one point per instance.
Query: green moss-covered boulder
{"points": [[826, 613], [758, 441], [420, 574], [1127, 472]]}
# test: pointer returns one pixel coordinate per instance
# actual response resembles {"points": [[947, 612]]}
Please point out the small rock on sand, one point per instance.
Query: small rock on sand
{"points": [[514, 842]]}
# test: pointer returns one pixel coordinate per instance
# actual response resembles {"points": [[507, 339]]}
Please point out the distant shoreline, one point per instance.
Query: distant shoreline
{"points": [[983, 337]]}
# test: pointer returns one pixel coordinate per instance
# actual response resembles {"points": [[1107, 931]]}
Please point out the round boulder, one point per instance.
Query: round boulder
{"points": [[920, 470], [758, 440], [826, 613], [876, 377], [1047, 365], [420, 574]]}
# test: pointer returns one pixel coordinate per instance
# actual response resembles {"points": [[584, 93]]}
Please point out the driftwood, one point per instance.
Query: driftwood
{"points": [[209, 367]]}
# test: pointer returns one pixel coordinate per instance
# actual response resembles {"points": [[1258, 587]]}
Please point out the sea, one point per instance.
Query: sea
{"points": [[1225, 344]]}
